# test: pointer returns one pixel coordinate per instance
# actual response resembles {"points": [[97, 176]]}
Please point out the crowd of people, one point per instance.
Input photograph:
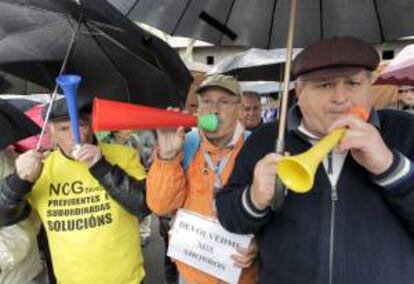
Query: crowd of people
{"points": [[94, 199]]}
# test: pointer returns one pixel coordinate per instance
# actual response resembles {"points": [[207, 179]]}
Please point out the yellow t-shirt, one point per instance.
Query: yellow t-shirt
{"points": [[92, 238]]}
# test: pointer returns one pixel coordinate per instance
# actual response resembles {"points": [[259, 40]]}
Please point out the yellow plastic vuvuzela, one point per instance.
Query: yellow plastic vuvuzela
{"points": [[297, 172]]}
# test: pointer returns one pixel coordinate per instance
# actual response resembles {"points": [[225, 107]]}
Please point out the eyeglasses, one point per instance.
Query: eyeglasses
{"points": [[220, 104]]}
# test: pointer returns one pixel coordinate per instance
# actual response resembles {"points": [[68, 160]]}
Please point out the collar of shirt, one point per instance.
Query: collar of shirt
{"points": [[336, 161], [210, 148]]}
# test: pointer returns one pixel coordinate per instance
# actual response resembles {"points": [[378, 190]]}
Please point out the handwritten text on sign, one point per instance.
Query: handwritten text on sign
{"points": [[204, 244]]}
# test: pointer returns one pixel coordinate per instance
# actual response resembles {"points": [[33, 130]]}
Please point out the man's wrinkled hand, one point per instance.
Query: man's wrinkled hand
{"points": [[264, 180], [170, 141], [365, 144], [29, 165], [87, 153], [246, 256]]}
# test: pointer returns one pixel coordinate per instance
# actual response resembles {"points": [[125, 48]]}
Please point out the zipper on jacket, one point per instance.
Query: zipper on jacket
{"points": [[334, 199]]}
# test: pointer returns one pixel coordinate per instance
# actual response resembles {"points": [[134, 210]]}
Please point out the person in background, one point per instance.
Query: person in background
{"points": [[270, 108], [88, 197], [406, 98], [198, 71], [356, 224], [20, 261], [191, 104], [143, 142], [251, 111]]}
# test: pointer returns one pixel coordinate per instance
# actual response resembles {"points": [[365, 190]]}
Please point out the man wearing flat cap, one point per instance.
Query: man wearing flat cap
{"points": [[356, 224], [88, 198]]}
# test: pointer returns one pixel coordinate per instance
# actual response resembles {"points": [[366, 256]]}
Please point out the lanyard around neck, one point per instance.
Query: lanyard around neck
{"points": [[217, 168]]}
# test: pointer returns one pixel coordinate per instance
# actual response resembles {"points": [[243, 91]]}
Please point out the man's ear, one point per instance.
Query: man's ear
{"points": [[299, 89], [49, 127]]}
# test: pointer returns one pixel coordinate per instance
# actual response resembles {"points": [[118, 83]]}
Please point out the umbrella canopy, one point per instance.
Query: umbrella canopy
{"points": [[263, 23], [400, 71], [254, 64], [11, 84], [262, 87], [32, 106], [116, 59], [14, 125], [35, 114], [21, 103]]}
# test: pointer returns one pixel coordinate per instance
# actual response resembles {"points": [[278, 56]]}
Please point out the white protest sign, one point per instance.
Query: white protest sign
{"points": [[204, 244]]}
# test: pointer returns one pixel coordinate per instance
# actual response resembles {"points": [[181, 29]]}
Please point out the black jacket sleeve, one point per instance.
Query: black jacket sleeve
{"points": [[126, 190], [398, 186], [235, 210], [397, 129], [13, 203]]}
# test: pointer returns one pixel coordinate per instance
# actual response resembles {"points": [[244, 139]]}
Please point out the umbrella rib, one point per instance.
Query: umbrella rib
{"points": [[227, 20], [112, 27], [379, 20], [91, 26], [321, 26], [61, 71], [37, 8], [132, 8], [33, 28], [269, 40], [123, 47], [177, 24]]}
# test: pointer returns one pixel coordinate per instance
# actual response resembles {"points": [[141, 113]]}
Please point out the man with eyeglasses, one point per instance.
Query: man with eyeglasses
{"points": [[178, 179]]}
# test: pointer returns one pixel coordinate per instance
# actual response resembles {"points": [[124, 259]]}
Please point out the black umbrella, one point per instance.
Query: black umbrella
{"points": [[14, 125], [263, 23], [116, 58], [11, 84]]}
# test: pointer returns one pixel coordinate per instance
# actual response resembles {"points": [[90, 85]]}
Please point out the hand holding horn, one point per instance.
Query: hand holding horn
{"points": [[297, 172]]}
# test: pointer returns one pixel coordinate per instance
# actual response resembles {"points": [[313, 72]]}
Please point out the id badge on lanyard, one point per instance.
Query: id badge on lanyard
{"points": [[217, 170]]}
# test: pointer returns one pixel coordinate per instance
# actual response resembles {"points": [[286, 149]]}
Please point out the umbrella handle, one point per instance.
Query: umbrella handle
{"points": [[279, 197], [62, 69]]}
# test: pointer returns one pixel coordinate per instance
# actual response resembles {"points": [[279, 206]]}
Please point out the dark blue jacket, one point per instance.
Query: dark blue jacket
{"points": [[373, 226]]}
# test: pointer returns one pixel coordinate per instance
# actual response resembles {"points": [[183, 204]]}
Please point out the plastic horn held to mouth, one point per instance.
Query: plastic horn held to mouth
{"points": [[208, 122], [112, 115], [297, 172], [69, 83]]}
